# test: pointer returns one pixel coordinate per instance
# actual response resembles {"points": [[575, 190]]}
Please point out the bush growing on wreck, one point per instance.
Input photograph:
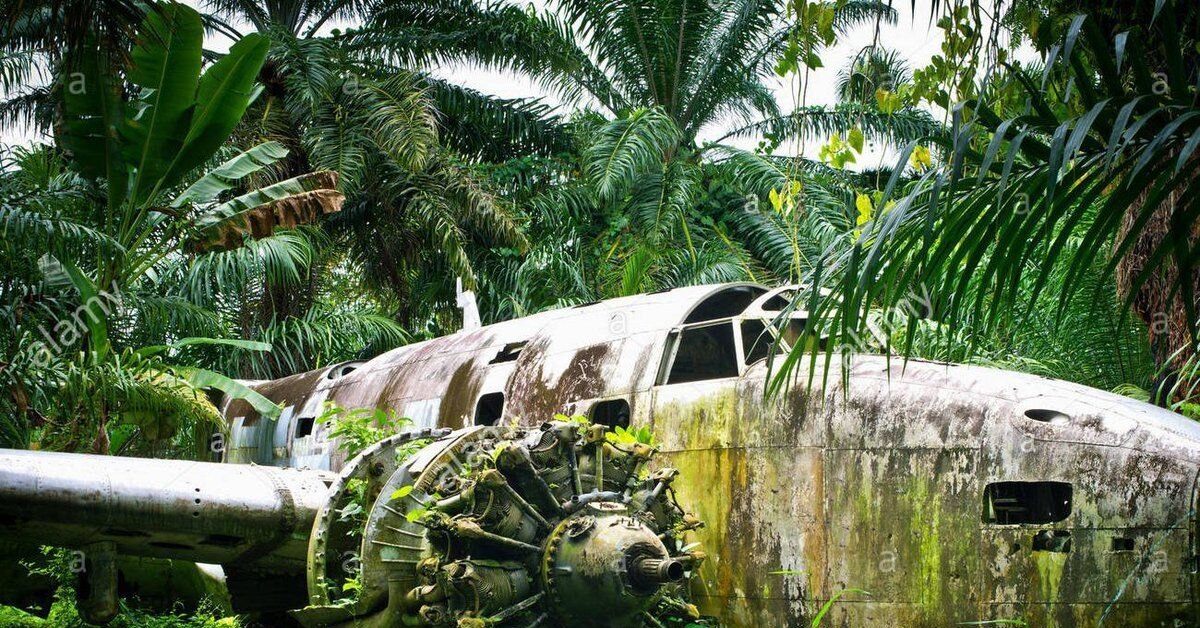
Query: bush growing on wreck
{"points": [[58, 566], [358, 428]]}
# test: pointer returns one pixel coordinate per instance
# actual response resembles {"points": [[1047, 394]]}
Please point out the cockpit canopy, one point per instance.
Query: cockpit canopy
{"points": [[732, 330]]}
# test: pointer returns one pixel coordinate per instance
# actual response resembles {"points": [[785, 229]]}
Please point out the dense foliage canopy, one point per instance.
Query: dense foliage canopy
{"points": [[312, 191]]}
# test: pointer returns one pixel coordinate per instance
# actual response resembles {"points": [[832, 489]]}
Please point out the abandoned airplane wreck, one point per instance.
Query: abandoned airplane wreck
{"points": [[920, 494]]}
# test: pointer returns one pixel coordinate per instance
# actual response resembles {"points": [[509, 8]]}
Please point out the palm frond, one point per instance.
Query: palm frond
{"points": [[324, 335], [494, 129], [280, 260], [400, 118], [627, 148], [817, 122], [496, 35]]}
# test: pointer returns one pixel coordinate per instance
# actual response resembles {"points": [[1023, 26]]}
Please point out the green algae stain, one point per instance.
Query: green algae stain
{"points": [[926, 508], [1050, 570], [706, 482], [1049, 566], [866, 502]]}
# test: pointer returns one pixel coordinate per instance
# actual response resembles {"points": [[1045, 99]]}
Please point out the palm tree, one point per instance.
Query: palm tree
{"points": [[1100, 150], [661, 76], [699, 63], [403, 143]]}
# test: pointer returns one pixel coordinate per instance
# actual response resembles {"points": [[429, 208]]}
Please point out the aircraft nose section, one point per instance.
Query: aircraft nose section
{"points": [[1090, 503]]}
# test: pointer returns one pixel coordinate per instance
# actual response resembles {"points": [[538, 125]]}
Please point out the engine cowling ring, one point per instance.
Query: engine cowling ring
{"points": [[333, 548], [490, 524]]}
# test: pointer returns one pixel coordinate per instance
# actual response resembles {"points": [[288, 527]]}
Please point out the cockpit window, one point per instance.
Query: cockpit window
{"points": [[756, 342], [794, 330], [779, 302], [726, 303], [706, 352], [762, 336]]}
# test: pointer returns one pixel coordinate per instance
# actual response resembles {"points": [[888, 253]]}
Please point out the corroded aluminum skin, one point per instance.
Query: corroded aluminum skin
{"points": [[820, 489], [879, 488], [571, 358], [204, 512]]}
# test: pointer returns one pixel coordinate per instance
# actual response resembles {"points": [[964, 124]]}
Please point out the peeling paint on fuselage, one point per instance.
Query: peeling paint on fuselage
{"points": [[820, 490]]}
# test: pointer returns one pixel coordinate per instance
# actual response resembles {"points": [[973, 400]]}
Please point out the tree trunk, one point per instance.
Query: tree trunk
{"points": [[1171, 342], [101, 445]]}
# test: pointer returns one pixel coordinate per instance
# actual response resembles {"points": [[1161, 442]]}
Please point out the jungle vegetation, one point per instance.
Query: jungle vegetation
{"points": [[310, 192], [194, 213]]}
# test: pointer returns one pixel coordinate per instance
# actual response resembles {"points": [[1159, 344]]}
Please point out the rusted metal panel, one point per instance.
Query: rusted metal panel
{"points": [[1129, 529], [546, 383], [900, 528], [286, 391]]}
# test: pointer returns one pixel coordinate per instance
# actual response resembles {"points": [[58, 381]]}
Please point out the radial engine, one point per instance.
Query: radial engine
{"points": [[562, 524]]}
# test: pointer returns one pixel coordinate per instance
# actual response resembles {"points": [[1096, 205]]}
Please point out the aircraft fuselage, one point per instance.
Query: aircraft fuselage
{"points": [[921, 494]]}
